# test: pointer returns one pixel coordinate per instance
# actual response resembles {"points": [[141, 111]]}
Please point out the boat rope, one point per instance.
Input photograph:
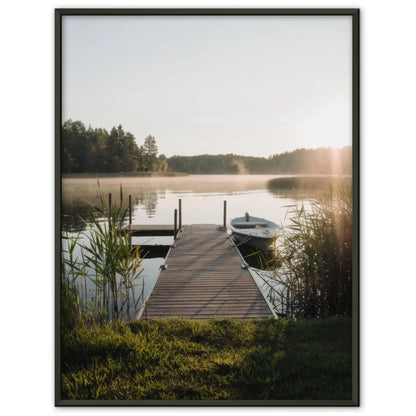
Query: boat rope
{"points": [[231, 240], [233, 244]]}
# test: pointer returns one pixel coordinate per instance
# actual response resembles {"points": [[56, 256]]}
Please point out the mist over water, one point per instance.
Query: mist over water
{"points": [[155, 198]]}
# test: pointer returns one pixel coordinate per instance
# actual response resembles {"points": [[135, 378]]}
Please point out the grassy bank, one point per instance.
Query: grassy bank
{"points": [[124, 175], [217, 359]]}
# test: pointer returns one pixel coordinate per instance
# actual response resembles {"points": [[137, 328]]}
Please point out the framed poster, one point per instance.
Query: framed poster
{"points": [[207, 212]]}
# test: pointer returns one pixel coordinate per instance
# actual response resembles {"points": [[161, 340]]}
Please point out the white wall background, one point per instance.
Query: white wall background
{"points": [[388, 135]]}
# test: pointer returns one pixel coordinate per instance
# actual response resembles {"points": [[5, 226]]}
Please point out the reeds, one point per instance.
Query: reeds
{"points": [[316, 256], [106, 275], [70, 272]]}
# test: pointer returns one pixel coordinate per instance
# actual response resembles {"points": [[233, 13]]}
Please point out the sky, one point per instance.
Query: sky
{"points": [[248, 85]]}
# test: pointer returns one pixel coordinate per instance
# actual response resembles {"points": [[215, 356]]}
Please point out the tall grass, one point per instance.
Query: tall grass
{"points": [[316, 256], [71, 270], [107, 263]]}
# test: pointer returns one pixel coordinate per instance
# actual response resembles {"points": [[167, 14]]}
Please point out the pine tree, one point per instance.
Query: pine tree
{"points": [[150, 152]]}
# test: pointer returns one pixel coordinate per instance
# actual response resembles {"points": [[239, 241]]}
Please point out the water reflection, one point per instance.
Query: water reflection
{"points": [[76, 210], [150, 202], [154, 199], [76, 206]]}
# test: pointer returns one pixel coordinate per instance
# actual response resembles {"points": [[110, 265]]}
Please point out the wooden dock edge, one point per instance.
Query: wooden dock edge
{"points": [[252, 272]]}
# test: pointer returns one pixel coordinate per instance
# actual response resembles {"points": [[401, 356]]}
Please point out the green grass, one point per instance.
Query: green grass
{"points": [[214, 360]]}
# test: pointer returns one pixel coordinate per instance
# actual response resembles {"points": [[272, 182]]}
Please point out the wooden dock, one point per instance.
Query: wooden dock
{"points": [[205, 279], [149, 230]]}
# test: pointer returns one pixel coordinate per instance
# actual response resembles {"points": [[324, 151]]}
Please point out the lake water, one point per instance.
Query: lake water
{"points": [[155, 198]]}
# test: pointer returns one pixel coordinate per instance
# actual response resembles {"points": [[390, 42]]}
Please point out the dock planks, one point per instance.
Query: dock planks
{"points": [[204, 279]]}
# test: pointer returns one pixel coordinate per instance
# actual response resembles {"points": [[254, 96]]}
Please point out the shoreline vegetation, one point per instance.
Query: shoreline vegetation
{"points": [[315, 251], [92, 150]]}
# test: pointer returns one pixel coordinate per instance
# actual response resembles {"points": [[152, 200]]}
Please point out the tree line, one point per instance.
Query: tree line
{"points": [[301, 161], [94, 150]]}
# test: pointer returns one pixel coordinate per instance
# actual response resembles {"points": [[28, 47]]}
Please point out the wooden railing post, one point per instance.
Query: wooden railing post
{"points": [[180, 214], [225, 214], [175, 224]]}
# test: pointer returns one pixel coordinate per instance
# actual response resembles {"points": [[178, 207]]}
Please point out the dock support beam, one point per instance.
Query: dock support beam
{"points": [[180, 214], [175, 224], [225, 214]]}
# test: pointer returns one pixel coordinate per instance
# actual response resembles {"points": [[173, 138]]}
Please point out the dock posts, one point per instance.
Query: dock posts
{"points": [[175, 224], [180, 214], [225, 214], [129, 209]]}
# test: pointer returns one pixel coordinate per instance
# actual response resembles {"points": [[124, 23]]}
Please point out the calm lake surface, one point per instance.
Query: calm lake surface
{"points": [[155, 198]]}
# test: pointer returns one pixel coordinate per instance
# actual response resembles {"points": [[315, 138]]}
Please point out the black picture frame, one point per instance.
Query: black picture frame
{"points": [[355, 15]]}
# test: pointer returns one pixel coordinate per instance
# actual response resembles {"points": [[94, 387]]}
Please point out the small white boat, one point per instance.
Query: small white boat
{"points": [[253, 231]]}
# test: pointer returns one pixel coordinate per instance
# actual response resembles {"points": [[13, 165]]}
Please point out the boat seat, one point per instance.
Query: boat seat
{"points": [[249, 224]]}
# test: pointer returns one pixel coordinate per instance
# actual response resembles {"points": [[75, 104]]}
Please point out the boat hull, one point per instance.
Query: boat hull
{"points": [[260, 243], [255, 232]]}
